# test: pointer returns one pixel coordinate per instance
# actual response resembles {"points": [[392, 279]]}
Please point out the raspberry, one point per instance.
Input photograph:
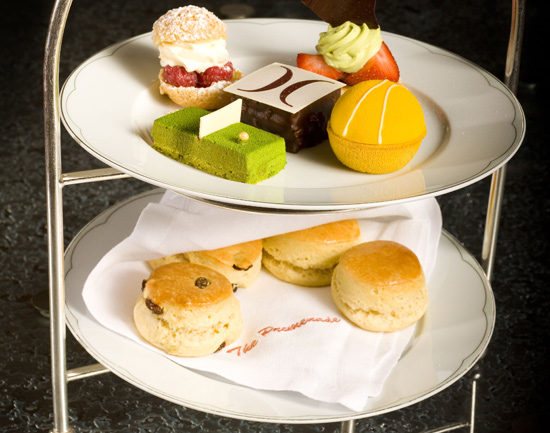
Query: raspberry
{"points": [[177, 76], [214, 74]]}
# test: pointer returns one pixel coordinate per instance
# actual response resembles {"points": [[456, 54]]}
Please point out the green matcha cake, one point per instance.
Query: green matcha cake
{"points": [[223, 153]]}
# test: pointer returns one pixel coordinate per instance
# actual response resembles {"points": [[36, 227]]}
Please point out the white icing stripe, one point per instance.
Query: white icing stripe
{"points": [[358, 104], [384, 113]]}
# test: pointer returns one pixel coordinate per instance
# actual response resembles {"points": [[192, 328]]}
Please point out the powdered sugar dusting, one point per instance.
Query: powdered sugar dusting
{"points": [[188, 24]]}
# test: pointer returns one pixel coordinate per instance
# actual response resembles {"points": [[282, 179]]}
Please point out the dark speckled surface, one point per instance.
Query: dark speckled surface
{"points": [[514, 379]]}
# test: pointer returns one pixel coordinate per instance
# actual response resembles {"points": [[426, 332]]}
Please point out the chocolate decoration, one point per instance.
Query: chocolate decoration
{"points": [[278, 82], [287, 90], [293, 87], [337, 12], [271, 86]]}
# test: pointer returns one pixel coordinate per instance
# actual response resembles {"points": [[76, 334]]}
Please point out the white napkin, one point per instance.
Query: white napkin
{"points": [[294, 338]]}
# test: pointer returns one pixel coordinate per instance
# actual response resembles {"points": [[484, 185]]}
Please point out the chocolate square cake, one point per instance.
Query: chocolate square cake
{"points": [[287, 101]]}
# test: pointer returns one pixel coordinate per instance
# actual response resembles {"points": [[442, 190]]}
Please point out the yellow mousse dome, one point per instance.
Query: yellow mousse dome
{"points": [[376, 127]]}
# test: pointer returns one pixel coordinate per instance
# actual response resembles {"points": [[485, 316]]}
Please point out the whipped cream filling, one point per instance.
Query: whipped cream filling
{"points": [[194, 56]]}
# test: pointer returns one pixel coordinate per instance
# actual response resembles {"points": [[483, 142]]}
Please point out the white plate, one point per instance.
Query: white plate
{"points": [[449, 340], [475, 124]]}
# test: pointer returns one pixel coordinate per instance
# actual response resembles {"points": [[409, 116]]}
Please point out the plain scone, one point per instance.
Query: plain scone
{"points": [[188, 310], [240, 263], [380, 286], [308, 257]]}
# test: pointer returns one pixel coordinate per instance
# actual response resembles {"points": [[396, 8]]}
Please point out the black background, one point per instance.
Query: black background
{"points": [[514, 373]]}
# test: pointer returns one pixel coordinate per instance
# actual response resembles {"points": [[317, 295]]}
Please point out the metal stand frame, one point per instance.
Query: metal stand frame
{"points": [[56, 180]]}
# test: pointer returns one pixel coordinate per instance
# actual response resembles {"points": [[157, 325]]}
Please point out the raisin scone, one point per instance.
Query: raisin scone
{"points": [[188, 310]]}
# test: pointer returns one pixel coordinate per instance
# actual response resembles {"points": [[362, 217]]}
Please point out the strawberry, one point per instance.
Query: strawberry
{"points": [[316, 63], [379, 67]]}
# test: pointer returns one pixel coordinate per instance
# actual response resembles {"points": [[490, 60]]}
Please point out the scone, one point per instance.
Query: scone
{"points": [[193, 56], [240, 263], [161, 261], [308, 257], [188, 310], [380, 286]]}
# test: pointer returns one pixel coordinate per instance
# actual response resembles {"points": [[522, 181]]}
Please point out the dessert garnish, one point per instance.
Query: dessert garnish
{"points": [[336, 12], [352, 49], [275, 83]]}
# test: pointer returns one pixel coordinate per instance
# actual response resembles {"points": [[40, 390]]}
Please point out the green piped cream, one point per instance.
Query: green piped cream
{"points": [[349, 46]]}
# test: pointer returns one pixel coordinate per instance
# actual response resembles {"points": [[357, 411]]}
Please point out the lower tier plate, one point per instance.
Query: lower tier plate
{"points": [[449, 340]]}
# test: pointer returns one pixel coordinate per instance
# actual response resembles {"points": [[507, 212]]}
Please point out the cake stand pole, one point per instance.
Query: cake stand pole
{"points": [[511, 79], [496, 193], [54, 185], [347, 426]]}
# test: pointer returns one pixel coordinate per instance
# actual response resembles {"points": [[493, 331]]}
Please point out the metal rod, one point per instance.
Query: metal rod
{"points": [[492, 221], [448, 428], [54, 215], [96, 175], [511, 79], [513, 58], [473, 407], [347, 426], [86, 371]]}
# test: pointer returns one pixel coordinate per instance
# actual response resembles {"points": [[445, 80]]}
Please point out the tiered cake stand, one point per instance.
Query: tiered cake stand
{"points": [[463, 146]]}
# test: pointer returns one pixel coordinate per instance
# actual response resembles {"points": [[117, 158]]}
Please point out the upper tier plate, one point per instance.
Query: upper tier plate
{"points": [[475, 124]]}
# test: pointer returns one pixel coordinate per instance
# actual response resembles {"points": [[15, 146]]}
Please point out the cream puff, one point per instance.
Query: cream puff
{"points": [[195, 65]]}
